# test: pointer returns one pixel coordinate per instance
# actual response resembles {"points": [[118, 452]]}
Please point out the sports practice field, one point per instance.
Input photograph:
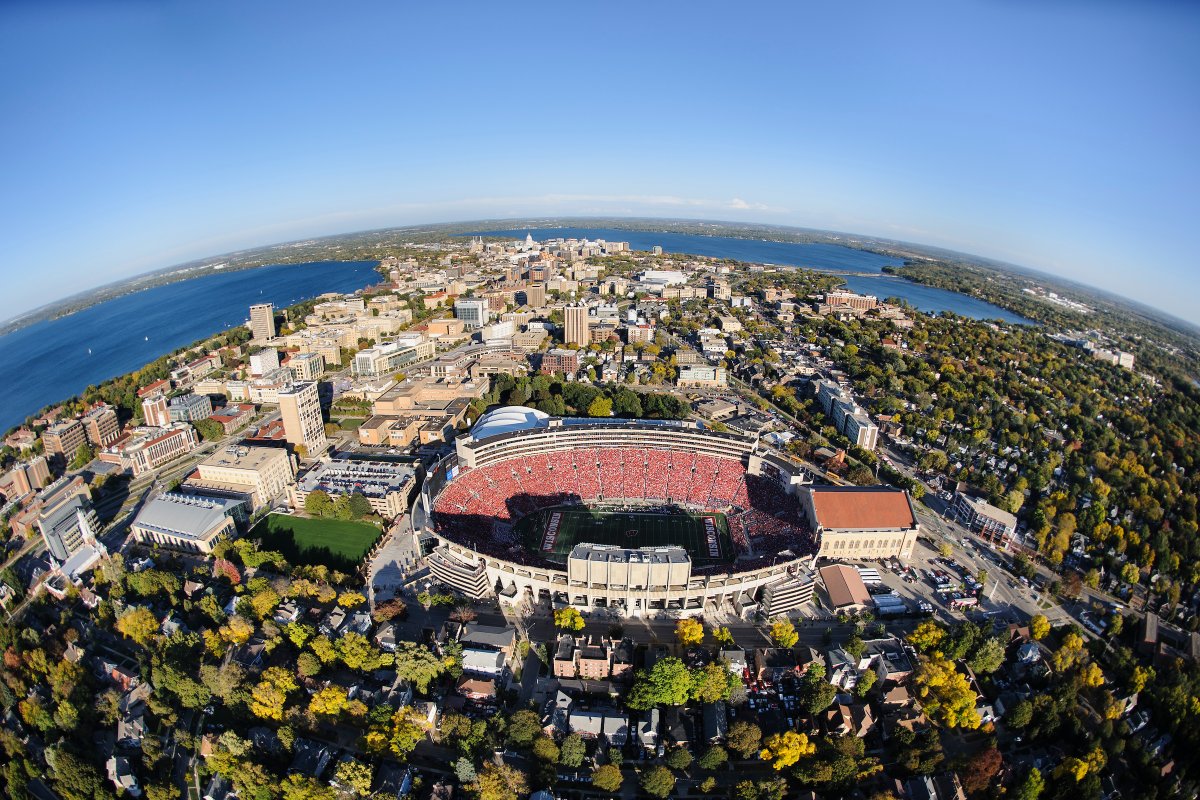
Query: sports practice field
{"points": [[553, 532], [336, 543]]}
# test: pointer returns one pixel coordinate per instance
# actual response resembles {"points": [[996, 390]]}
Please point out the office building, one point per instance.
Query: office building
{"points": [[186, 522], [64, 439], [702, 377], [101, 425], [155, 410], [300, 408], [262, 321], [258, 474], [859, 302], [575, 326], [984, 518], [189, 407], [474, 313], [149, 448]]}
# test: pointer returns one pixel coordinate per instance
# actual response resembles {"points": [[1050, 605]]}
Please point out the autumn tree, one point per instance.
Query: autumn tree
{"points": [[981, 770], [568, 619], [1039, 627], [138, 624], [607, 778], [785, 749], [946, 695], [501, 782], [689, 632], [783, 633], [658, 781], [744, 738]]}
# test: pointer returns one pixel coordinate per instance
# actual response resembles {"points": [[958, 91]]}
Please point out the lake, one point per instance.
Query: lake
{"points": [[53, 360], [824, 257]]}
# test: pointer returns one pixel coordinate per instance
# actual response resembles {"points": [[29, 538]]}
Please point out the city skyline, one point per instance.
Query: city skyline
{"points": [[1056, 142]]}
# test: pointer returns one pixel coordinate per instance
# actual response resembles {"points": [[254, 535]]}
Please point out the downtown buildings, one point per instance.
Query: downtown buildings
{"points": [[300, 409]]}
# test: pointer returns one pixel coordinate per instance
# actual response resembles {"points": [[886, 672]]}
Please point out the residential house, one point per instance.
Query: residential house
{"points": [[483, 662], [476, 688], [716, 722]]}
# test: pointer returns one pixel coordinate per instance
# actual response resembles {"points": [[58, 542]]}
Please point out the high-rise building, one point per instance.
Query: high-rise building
{"points": [[300, 407], [189, 407], [535, 295], [101, 425], [575, 328], [264, 361], [262, 321], [156, 411], [474, 313], [64, 438]]}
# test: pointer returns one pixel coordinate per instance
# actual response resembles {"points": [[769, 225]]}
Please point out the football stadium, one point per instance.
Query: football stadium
{"points": [[636, 516]]}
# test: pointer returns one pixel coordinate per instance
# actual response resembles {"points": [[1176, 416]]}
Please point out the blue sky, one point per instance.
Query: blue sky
{"points": [[1060, 135]]}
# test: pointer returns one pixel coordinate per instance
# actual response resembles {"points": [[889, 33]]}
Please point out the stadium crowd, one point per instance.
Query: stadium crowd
{"points": [[482, 504]]}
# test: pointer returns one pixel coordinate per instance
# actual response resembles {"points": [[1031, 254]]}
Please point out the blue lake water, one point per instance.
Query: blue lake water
{"points": [[50, 361], [825, 257]]}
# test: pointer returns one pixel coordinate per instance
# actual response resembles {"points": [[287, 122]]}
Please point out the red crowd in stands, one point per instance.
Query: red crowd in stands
{"points": [[482, 504]]}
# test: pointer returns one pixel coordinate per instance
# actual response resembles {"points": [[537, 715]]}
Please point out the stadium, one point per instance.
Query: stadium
{"points": [[640, 517]]}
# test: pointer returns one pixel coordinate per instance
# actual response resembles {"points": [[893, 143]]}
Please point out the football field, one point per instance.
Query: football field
{"points": [[553, 532]]}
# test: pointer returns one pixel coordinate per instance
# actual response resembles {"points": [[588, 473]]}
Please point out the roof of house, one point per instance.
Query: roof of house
{"points": [[495, 636], [844, 585], [482, 660], [862, 508], [476, 686]]}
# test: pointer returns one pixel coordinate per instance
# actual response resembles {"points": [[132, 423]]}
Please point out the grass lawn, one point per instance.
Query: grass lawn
{"points": [[336, 543], [350, 423]]}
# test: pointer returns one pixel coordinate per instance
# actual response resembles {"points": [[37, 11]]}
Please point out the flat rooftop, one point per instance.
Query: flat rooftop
{"points": [[370, 478], [243, 457]]}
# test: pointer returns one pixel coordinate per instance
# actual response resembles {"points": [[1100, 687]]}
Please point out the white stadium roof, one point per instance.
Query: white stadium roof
{"points": [[507, 420]]}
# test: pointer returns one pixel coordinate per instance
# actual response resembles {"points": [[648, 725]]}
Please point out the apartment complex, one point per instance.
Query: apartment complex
{"points": [[262, 321], [984, 518], [556, 361], [847, 417], [575, 325], [156, 410], [702, 377], [303, 426]]}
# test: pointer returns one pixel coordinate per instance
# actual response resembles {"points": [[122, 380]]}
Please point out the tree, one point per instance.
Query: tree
{"points": [[1031, 786], [416, 663], [568, 619], [658, 781], [600, 407], [785, 749], [303, 787], [74, 777], [359, 505], [689, 632], [783, 633], [607, 778], [501, 782], [744, 738], [308, 665], [351, 599], [855, 646], [945, 550], [679, 758], [1039, 627], [318, 503], [354, 775], [1020, 715], [523, 727], [816, 693], [464, 770], [669, 682], [722, 636], [138, 624], [545, 749], [83, 456], [866, 682], [269, 695], [573, 751], [712, 758], [947, 696], [988, 657], [981, 770], [389, 610], [927, 636], [328, 702]]}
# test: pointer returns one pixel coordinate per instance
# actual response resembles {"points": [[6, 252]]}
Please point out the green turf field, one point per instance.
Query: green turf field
{"points": [[338, 544], [578, 525]]}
